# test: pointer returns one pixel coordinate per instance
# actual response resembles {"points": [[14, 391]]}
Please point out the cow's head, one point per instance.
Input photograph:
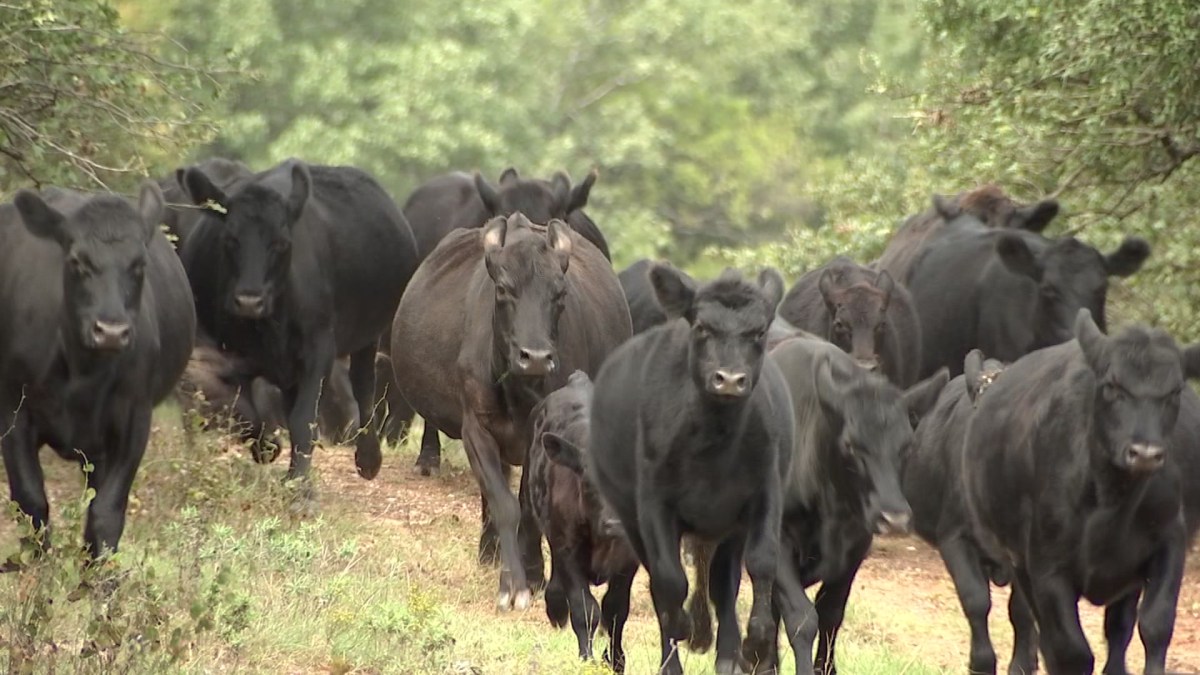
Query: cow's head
{"points": [[256, 238], [858, 316], [729, 318], [1070, 276], [996, 209], [567, 444], [529, 273], [1139, 377], [541, 201], [876, 423], [105, 250]]}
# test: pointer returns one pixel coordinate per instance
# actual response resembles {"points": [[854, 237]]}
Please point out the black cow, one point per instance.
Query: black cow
{"points": [[988, 203], [182, 214], [1069, 474], [864, 312], [222, 388], [932, 480], [567, 508], [1007, 292], [644, 310], [102, 325], [852, 427], [307, 263], [691, 434], [459, 201], [495, 319]]}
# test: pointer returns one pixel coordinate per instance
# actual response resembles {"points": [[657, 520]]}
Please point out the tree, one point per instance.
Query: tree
{"points": [[82, 100]]}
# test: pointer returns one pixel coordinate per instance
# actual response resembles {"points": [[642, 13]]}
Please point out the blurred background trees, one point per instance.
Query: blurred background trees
{"points": [[766, 132]]}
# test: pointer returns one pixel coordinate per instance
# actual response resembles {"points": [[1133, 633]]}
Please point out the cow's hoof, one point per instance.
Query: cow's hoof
{"points": [[726, 667], [523, 600], [263, 452], [617, 664], [676, 624], [427, 466], [367, 457]]}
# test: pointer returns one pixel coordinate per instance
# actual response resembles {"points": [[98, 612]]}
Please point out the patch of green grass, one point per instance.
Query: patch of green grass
{"points": [[214, 575]]}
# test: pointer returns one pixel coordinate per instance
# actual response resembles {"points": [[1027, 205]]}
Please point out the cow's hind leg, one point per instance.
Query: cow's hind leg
{"points": [[974, 594], [1025, 634], [1120, 618], [698, 610], [585, 611], [725, 576], [429, 461], [831, 610], [367, 456], [614, 610]]}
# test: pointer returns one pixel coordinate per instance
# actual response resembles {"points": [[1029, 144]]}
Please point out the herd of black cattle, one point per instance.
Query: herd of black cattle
{"points": [[775, 432]]}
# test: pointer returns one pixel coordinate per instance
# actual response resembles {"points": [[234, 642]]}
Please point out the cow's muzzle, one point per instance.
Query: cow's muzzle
{"points": [[1144, 457], [109, 335]]}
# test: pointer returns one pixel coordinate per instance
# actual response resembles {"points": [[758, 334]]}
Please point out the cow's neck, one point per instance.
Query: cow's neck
{"points": [[1112, 487], [81, 382]]}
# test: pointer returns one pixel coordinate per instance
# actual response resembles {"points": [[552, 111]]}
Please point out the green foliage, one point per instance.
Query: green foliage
{"points": [[1094, 101], [82, 100], [709, 120]]}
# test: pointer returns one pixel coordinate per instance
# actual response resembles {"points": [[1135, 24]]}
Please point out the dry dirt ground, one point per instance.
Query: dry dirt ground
{"points": [[904, 582]]}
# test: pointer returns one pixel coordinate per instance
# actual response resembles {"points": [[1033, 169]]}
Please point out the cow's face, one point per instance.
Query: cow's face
{"points": [[1139, 377], [529, 276], [728, 318], [540, 201], [1070, 276], [256, 239], [858, 316], [876, 423], [104, 245]]}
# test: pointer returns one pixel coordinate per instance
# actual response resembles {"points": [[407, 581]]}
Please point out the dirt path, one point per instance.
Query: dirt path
{"points": [[912, 602]]}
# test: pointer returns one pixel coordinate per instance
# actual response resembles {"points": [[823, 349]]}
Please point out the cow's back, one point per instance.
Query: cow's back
{"points": [[931, 473], [902, 250], [644, 310], [440, 206]]}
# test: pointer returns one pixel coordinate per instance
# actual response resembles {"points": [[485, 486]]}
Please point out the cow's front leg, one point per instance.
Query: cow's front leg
{"points": [[111, 477], [26, 483], [660, 535], [302, 419], [762, 562], [503, 510], [1156, 622]]}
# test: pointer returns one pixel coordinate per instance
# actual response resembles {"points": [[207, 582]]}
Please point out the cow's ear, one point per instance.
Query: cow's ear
{"points": [[558, 234], [829, 391], [41, 219], [1017, 257], [1191, 361], [563, 452], [1128, 258], [920, 398], [1035, 217], [886, 286], [151, 205], [488, 194], [1092, 341], [676, 291], [560, 185], [509, 176], [946, 207], [770, 281], [492, 235], [204, 193], [972, 370], [301, 189], [581, 192], [825, 287]]}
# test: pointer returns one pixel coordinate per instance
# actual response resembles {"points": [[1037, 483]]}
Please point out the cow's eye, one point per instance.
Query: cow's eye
{"points": [[503, 292], [79, 266], [839, 326], [1113, 391], [138, 269], [702, 332]]}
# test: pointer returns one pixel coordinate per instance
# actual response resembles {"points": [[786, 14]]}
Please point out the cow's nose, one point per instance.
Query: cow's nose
{"points": [[870, 364], [535, 361], [896, 522], [110, 334], [250, 304], [1144, 456], [728, 382]]}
